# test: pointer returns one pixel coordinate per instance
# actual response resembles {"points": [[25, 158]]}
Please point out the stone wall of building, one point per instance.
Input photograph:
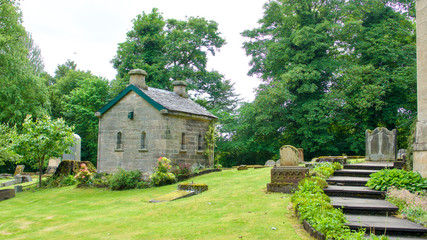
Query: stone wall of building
{"points": [[163, 137]]}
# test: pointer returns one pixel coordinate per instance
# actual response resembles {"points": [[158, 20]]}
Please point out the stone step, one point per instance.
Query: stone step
{"points": [[364, 206], [369, 165], [354, 172], [404, 238], [347, 181], [389, 225], [353, 191]]}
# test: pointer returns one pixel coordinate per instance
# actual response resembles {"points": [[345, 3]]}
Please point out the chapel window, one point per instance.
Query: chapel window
{"points": [[200, 142], [183, 141], [119, 141], [143, 141]]}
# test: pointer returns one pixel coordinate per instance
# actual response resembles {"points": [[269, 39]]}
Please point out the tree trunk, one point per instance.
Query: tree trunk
{"points": [[41, 162]]}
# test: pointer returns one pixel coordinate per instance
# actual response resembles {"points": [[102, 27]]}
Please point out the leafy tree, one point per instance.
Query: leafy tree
{"points": [[79, 107], [22, 92], [330, 70], [66, 80], [292, 52], [169, 49], [7, 136], [43, 139]]}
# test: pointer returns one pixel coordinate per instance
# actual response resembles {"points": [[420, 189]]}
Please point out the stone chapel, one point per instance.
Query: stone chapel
{"points": [[142, 124]]}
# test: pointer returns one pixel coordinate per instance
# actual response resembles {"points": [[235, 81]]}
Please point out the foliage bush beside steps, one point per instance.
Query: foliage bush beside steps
{"points": [[398, 178], [313, 206], [412, 206]]}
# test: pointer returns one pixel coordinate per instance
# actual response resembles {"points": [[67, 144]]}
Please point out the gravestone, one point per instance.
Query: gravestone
{"points": [[19, 169], [22, 178], [285, 178], [75, 150], [242, 167], [53, 165], [290, 156], [401, 154], [380, 144], [18, 188], [270, 163]]}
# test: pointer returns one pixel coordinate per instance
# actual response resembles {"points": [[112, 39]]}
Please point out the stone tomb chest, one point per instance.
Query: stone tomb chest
{"points": [[285, 178], [380, 144]]}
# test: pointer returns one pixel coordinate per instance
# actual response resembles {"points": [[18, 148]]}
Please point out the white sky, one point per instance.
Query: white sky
{"points": [[88, 31]]}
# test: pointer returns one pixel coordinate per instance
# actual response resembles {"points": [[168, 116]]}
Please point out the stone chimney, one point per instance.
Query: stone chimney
{"points": [[179, 88], [137, 78]]}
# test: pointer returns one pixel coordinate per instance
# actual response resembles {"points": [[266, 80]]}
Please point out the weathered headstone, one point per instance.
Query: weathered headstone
{"points": [[286, 176], [270, 163], [380, 144], [22, 178], [18, 188], [401, 154], [289, 156], [75, 150], [19, 169], [53, 165], [242, 167]]}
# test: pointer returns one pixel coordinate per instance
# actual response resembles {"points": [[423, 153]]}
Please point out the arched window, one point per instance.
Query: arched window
{"points": [[199, 142], [183, 141], [119, 141], [143, 141]]}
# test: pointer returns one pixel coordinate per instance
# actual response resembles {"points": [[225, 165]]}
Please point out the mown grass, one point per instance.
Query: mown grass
{"points": [[235, 207]]}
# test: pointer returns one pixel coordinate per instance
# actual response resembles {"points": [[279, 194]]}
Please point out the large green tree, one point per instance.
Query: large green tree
{"points": [[292, 51], [169, 50], [330, 70], [22, 91], [79, 107]]}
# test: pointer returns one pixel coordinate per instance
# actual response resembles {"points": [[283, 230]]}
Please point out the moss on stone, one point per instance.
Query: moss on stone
{"points": [[70, 167]]}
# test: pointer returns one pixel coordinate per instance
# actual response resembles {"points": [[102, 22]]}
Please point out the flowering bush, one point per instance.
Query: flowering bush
{"points": [[83, 174], [162, 175], [182, 171], [412, 205]]}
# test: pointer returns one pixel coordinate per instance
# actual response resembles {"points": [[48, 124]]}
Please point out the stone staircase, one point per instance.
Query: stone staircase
{"points": [[366, 208]]}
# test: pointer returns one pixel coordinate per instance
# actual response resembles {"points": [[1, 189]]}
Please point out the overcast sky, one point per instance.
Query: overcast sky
{"points": [[88, 31]]}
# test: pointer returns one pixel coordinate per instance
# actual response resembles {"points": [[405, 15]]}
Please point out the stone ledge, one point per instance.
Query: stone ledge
{"points": [[6, 194]]}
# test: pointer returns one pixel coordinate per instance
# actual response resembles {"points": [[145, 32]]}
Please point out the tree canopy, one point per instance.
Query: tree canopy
{"points": [[22, 91], [330, 70], [170, 49]]}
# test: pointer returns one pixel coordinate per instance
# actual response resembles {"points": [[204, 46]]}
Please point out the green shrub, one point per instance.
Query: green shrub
{"points": [[313, 205], [321, 182], [68, 181], [123, 180], [398, 178], [162, 175], [182, 171], [325, 169]]}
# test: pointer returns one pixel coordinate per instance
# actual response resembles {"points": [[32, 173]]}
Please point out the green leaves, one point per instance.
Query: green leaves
{"points": [[398, 178], [43, 139]]}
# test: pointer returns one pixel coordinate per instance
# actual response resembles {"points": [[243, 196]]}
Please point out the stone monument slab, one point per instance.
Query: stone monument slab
{"points": [[290, 156], [53, 165], [19, 169], [380, 144], [270, 163], [75, 150]]}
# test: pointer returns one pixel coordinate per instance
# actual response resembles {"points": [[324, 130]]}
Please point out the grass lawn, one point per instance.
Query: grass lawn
{"points": [[235, 207]]}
